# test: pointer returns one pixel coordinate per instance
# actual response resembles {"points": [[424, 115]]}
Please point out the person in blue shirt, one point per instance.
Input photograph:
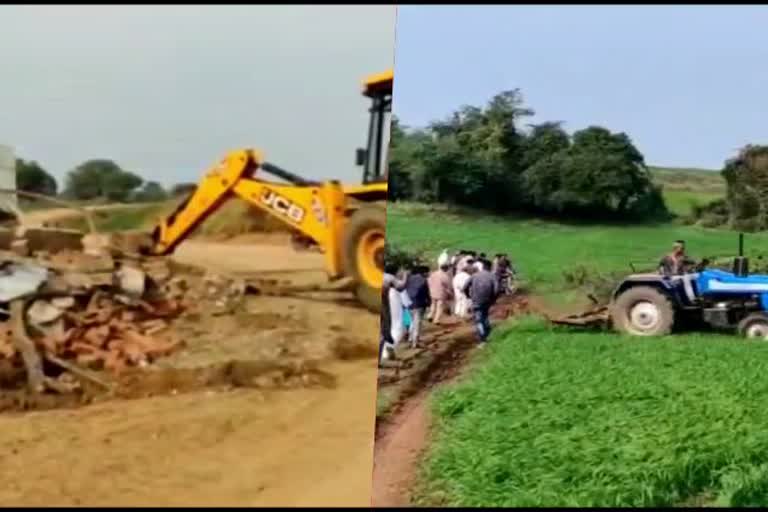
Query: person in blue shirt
{"points": [[417, 287]]}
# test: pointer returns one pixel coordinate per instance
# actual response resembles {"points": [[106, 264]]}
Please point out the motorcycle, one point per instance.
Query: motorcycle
{"points": [[508, 282]]}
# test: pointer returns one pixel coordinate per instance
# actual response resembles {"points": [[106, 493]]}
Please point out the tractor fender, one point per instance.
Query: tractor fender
{"points": [[652, 280]]}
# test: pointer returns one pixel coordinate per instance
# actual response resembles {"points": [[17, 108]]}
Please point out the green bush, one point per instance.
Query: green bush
{"points": [[710, 215], [402, 258]]}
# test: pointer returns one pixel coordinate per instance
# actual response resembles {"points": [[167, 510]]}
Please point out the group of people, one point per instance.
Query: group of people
{"points": [[464, 285]]}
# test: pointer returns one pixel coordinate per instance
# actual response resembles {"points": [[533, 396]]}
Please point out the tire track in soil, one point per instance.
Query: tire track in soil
{"points": [[402, 435], [139, 383]]}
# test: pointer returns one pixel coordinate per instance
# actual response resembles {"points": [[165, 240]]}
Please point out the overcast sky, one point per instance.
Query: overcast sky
{"points": [[166, 91], [689, 84]]}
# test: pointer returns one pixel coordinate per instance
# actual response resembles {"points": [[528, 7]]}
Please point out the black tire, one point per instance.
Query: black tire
{"points": [[754, 326], [365, 223], [657, 308]]}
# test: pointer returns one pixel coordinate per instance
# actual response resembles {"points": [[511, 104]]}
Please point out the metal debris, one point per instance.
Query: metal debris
{"points": [[20, 279]]}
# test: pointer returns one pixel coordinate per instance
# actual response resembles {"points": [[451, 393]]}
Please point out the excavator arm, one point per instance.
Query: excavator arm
{"points": [[316, 210], [347, 223]]}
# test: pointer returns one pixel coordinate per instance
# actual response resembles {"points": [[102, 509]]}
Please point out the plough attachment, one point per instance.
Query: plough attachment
{"points": [[597, 315]]}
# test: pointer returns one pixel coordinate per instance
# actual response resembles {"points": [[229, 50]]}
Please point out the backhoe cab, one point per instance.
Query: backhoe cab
{"points": [[373, 158], [346, 222]]}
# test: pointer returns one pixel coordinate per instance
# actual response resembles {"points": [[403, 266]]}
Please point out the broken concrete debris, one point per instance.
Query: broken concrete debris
{"points": [[93, 306], [19, 279], [226, 294]]}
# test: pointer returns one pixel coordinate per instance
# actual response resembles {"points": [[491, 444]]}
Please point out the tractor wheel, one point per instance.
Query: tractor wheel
{"points": [[754, 326], [363, 254], [643, 311]]}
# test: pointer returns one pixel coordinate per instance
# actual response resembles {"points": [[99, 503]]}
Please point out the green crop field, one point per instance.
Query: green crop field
{"points": [[544, 250], [563, 418]]}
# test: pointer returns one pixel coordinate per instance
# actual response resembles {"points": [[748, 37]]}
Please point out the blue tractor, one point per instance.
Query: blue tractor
{"points": [[653, 304]]}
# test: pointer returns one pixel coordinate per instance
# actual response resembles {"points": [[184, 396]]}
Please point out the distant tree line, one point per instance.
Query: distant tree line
{"points": [[93, 180], [484, 157], [745, 206]]}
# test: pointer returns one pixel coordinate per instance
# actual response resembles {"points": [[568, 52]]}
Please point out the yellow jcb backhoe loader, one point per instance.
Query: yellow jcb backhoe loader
{"points": [[346, 222]]}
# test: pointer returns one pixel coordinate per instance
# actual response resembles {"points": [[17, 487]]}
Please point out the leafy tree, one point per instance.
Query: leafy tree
{"points": [[746, 179], [151, 192], [101, 179], [31, 177], [118, 186], [182, 189], [544, 140], [471, 157], [405, 167], [480, 157], [504, 112], [599, 139], [599, 174]]}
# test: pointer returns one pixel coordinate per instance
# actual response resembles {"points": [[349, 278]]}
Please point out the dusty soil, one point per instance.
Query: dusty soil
{"points": [[276, 398], [403, 434], [56, 215]]}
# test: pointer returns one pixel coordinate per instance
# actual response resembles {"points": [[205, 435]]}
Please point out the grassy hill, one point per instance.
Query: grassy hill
{"points": [[684, 187]]}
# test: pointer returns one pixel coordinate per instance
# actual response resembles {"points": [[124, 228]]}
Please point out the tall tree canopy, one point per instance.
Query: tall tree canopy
{"points": [[31, 177], [746, 179], [101, 178], [481, 157]]}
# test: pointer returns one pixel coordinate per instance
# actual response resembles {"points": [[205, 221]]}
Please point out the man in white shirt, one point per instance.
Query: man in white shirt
{"points": [[396, 288], [462, 303]]}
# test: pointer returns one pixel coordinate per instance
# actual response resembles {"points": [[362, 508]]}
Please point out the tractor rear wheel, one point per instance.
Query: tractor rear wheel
{"points": [[363, 253], [643, 311], [754, 326]]}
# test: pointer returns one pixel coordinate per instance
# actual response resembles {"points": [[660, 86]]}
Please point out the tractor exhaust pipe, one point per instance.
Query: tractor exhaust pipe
{"points": [[741, 263]]}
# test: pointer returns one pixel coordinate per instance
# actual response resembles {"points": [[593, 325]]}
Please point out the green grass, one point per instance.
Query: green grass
{"points": [[683, 188], [558, 417], [564, 418], [542, 250], [681, 202]]}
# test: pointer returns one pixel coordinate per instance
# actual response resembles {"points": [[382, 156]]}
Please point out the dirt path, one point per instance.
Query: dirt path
{"points": [[402, 436], [397, 453], [54, 215], [247, 447]]}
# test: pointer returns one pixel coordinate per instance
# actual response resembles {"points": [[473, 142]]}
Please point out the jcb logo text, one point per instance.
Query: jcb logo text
{"points": [[283, 206]]}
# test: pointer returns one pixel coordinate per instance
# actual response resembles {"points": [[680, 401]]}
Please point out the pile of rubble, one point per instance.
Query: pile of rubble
{"points": [[99, 330], [85, 301]]}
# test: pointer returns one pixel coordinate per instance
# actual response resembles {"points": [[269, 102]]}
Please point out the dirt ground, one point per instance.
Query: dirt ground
{"points": [[54, 215], [199, 442], [403, 433]]}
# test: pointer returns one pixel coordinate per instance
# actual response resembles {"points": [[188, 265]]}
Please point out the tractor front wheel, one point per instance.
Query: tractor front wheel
{"points": [[754, 326], [363, 253], [643, 311]]}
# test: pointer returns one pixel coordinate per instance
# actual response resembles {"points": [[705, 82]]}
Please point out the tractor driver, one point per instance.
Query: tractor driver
{"points": [[676, 262]]}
